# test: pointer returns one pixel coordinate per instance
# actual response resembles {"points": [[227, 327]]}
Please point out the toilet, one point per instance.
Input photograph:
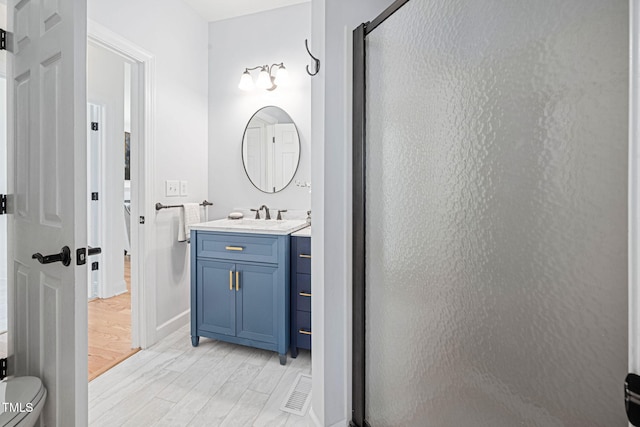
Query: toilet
{"points": [[21, 401]]}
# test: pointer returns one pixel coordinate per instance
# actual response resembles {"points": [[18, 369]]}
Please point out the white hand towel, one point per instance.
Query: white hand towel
{"points": [[189, 214]]}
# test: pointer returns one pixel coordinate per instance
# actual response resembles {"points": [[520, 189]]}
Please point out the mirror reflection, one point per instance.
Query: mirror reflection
{"points": [[270, 149]]}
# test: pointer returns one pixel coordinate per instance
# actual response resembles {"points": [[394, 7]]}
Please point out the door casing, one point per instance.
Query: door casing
{"points": [[143, 270]]}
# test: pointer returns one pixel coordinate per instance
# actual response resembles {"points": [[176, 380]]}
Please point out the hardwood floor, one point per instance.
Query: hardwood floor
{"points": [[110, 329], [215, 384]]}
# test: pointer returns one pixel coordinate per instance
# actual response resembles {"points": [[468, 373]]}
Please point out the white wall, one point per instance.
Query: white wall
{"points": [[333, 23], [264, 38], [177, 37], [105, 87]]}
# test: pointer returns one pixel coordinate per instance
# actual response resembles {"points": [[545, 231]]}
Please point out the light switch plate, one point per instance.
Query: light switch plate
{"points": [[184, 188], [172, 188]]}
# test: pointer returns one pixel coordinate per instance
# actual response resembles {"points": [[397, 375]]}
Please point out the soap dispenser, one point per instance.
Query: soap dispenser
{"points": [[309, 217]]}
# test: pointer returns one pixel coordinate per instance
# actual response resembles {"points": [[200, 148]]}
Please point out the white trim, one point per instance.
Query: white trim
{"points": [[318, 164], [143, 271], [173, 324], [348, 220], [120, 288], [314, 417], [634, 186]]}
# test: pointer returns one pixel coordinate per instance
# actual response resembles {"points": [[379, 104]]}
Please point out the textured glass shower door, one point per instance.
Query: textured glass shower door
{"points": [[496, 214]]}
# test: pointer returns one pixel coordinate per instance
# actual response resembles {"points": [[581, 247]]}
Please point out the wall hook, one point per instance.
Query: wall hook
{"points": [[316, 60]]}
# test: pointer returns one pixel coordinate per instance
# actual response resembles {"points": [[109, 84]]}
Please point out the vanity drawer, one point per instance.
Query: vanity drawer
{"points": [[238, 247], [302, 255], [303, 292], [304, 329]]}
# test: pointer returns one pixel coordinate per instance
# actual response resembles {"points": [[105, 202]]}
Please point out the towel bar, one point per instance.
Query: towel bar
{"points": [[160, 206]]}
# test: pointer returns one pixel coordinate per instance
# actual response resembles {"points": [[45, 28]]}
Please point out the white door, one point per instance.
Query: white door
{"points": [[46, 81], [286, 154], [254, 156]]}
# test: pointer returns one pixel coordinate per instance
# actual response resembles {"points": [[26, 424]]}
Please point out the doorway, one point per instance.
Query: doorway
{"points": [[112, 186]]}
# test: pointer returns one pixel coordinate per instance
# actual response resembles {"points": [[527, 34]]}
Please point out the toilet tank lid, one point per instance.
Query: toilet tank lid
{"points": [[20, 390]]}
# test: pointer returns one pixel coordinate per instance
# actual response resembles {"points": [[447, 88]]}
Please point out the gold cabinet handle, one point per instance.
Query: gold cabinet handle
{"points": [[230, 280], [305, 256], [237, 281], [304, 294], [302, 331], [234, 248]]}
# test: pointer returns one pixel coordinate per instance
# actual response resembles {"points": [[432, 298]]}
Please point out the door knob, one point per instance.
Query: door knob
{"points": [[64, 257]]}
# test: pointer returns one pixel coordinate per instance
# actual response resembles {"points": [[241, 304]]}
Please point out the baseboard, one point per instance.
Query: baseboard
{"points": [[122, 288], [314, 417], [342, 423], [118, 288], [172, 325], [317, 423]]}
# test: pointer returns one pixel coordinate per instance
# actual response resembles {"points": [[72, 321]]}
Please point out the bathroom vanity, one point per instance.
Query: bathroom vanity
{"points": [[240, 282]]}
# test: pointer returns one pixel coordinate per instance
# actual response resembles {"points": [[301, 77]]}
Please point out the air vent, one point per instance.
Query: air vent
{"points": [[297, 400]]}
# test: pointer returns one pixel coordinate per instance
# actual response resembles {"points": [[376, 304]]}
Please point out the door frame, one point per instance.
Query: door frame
{"points": [[359, 218], [634, 188], [101, 190], [143, 239]]}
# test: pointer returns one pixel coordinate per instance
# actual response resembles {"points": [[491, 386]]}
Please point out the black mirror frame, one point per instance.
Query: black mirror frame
{"points": [[244, 166]]}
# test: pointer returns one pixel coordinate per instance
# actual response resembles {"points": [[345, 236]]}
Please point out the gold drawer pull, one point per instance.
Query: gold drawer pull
{"points": [[305, 256], [234, 248], [230, 280], [237, 281], [304, 294], [302, 331]]}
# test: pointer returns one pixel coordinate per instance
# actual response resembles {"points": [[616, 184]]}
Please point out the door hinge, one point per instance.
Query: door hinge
{"points": [[94, 125], [632, 398], [5, 38], [94, 196], [3, 204], [3, 368]]}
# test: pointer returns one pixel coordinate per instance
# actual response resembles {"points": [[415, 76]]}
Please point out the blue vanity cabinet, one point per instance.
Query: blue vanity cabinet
{"points": [[240, 289], [300, 294], [211, 291]]}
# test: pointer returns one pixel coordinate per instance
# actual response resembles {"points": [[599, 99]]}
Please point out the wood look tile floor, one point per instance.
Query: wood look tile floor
{"points": [[215, 384], [110, 329]]}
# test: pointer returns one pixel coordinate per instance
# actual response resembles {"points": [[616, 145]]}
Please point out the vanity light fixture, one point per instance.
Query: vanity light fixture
{"points": [[266, 77]]}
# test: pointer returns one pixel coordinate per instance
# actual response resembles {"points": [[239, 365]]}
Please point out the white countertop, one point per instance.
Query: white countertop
{"points": [[305, 232], [256, 226]]}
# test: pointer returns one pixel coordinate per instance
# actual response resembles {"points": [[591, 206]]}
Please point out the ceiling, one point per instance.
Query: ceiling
{"points": [[215, 10]]}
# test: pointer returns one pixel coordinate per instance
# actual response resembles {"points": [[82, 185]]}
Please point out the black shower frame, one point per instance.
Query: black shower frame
{"points": [[358, 414]]}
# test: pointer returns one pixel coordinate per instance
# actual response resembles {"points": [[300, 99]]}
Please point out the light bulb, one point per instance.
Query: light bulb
{"points": [[282, 76], [264, 79], [246, 82]]}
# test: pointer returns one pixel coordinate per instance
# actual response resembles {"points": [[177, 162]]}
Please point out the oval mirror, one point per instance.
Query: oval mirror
{"points": [[270, 149]]}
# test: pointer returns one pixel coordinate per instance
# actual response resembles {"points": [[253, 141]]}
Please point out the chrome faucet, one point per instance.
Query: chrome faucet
{"points": [[266, 209]]}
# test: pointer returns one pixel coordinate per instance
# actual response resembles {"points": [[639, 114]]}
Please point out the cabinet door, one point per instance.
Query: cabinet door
{"points": [[256, 303], [216, 297]]}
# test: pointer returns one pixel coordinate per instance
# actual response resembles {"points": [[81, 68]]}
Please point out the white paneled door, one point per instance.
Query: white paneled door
{"points": [[47, 182], [286, 154]]}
